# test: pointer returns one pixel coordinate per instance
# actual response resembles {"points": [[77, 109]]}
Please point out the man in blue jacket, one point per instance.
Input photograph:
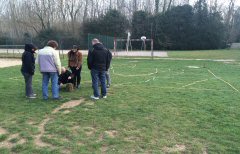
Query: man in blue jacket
{"points": [[98, 60], [28, 68]]}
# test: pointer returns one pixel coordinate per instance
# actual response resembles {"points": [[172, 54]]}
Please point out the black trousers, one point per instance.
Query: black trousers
{"points": [[77, 75], [28, 84]]}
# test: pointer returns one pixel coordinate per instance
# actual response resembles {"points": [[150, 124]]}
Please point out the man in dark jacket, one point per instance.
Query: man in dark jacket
{"points": [[98, 60], [28, 68]]}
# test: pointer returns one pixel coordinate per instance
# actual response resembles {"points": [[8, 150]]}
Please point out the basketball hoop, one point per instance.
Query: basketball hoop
{"points": [[143, 38]]}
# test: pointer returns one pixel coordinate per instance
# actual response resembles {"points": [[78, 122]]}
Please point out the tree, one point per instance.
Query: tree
{"points": [[174, 29]]}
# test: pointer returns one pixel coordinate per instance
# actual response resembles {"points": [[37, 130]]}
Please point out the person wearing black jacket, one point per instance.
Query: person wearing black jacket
{"points": [[28, 68], [98, 60], [65, 77]]}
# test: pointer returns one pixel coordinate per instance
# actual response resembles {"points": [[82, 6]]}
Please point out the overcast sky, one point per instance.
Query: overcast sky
{"points": [[225, 2]]}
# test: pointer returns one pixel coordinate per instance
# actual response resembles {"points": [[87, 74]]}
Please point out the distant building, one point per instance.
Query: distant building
{"points": [[235, 46]]}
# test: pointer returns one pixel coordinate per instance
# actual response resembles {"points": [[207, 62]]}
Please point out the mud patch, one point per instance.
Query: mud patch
{"points": [[176, 148]]}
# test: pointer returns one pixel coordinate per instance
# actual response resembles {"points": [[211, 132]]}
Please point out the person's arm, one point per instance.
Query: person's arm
{"points": [[69, 58], [89, 59], [109, 58], [57, 61], [80, 59]]}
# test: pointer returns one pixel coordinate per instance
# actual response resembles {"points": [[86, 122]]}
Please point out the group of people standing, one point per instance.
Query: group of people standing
{"points": [[98, 61]]}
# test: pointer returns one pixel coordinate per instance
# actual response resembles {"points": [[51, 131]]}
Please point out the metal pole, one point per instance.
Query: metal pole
{"points": [[152, 54]]}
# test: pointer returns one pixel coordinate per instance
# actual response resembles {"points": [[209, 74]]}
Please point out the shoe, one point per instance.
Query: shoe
{"points": [[104, 97], [108, 86], [31, 97], [78, 86], [34, 95], [57, 98], [95, 98]]}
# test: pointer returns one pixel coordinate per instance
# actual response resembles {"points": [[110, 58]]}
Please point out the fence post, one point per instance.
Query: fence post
{"points": [[152, 49]]}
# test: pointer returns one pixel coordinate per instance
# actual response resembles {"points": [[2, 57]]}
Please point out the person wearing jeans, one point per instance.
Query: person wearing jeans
{"points": [[55, 87], [98, 76], [50, 67], [28, 69], [98, 61], [108, 78]]}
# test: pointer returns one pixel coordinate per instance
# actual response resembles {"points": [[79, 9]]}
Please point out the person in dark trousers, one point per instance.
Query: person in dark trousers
{"points": [[28, 68], [75, 64], [98, 60], [65, 77]]}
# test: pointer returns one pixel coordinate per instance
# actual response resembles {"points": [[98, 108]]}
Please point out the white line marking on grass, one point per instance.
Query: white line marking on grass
{"points": [[195, 82], [134, 66], [136, 75], [223, 80]]}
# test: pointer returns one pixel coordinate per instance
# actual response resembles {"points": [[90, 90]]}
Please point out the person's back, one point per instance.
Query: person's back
{"points": [[28, 61], [28, 68], [99, 58], [48, 60], [50, 67], [98, 62]]}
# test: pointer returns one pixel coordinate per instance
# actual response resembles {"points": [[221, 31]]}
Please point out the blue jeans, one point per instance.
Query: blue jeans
{"points": [[102, 77], [54, 80]]}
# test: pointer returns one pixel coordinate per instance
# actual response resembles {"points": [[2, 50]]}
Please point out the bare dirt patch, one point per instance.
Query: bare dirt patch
{"points": [[205, 151], [3, 131], [8, 144], [100, 138], [66, 151], [68, 105], [111, 133], [80, 143], [66, 112], [38, 141], [176, 148], [89, 104], [89, 131], [104, 149], [5, 62]]}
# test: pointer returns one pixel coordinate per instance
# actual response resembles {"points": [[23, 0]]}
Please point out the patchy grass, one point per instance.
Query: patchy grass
{"points": [[153, 106]]}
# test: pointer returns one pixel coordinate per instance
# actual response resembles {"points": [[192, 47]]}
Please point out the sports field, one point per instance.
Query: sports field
{"points": [[169, 105]]}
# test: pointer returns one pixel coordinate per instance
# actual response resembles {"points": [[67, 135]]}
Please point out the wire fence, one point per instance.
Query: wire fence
{"points": [[108, 41]]}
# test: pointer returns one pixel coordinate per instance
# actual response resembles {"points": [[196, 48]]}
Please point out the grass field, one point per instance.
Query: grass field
{"points": [[153, 106]]}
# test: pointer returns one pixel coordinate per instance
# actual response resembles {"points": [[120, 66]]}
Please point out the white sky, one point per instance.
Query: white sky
{"points": [[224, 2]]}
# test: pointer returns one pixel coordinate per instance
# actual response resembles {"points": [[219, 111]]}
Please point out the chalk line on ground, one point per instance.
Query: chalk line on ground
{"points": [[223, 80], [195, 82]]}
